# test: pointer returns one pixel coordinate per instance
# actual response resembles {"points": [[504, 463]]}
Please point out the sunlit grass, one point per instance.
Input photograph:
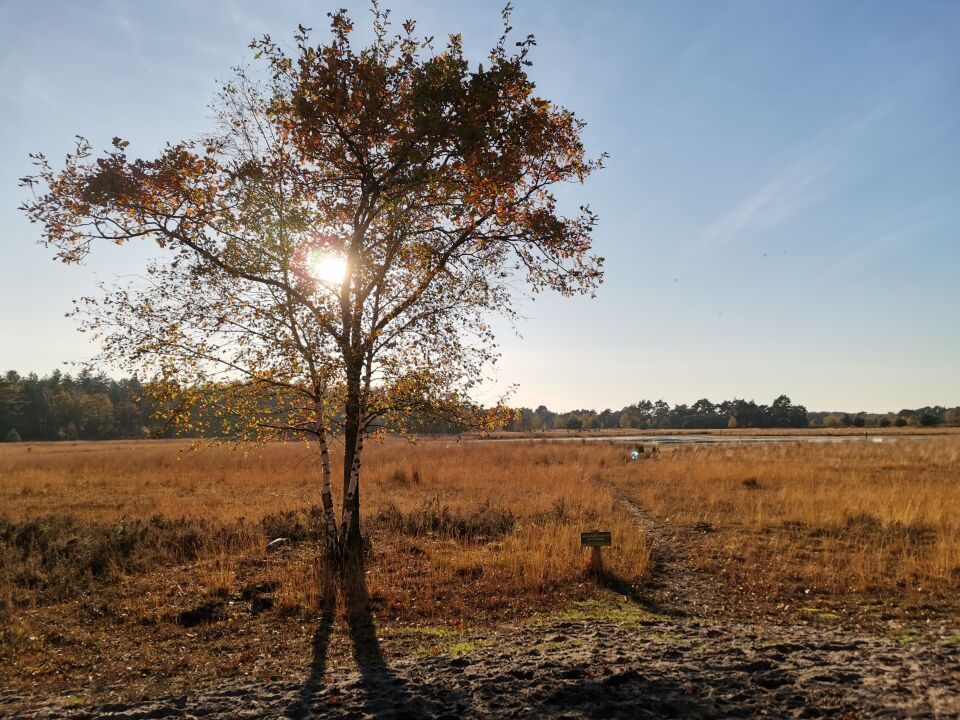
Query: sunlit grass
{"points": [[124, 550], [841, 518]]}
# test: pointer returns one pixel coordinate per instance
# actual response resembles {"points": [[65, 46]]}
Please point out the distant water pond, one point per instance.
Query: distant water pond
{"points": [[714, 439]]}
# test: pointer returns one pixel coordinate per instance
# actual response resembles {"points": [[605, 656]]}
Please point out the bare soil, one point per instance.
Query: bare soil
{"points": [[598, 667], [680, 646]]}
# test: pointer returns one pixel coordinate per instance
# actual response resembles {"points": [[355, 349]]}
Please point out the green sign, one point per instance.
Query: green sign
{"points": [[595, 539]]}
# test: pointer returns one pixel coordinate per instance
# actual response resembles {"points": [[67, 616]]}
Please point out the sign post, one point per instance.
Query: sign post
{"points": [[595, 539]]}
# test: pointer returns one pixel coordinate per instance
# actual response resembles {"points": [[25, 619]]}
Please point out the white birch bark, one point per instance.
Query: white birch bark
{"points": [[351, 488], [326, 492]]}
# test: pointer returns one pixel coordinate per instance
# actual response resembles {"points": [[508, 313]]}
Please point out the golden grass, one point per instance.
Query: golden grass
{"points": [[836, 518], [832, 519], [463, 534], [157, 572], [550, 494]]}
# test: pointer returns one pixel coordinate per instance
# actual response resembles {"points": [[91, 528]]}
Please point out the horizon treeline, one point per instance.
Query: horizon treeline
{"points": [[93, 406], [736, 413], [60, 406]]}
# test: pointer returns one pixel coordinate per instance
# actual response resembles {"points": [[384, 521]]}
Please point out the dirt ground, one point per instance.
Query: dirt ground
{"points": [[601, 665], [676, 647]]}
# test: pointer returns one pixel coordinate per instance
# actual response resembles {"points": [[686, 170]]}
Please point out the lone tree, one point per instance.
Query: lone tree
{"points": [[330, 254]]}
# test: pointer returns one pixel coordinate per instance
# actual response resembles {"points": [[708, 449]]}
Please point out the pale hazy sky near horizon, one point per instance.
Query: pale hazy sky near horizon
{"points": [[780, 212]]}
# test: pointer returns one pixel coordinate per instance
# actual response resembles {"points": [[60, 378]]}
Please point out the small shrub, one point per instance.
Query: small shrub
{"points": [[296, 525], [870, 529], [401, 478], [55, 557], [207, 612], [481, 524], [562, 511], [12, 436]]}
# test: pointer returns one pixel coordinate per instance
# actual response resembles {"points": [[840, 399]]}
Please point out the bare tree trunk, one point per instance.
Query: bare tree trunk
{"points": [[350, 538], [351, 496], [326, 492]]}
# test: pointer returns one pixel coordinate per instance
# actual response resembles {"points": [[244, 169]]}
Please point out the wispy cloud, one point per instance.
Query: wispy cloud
{"points": [[793, 187], [872, 247], [801, 181], [135, 37], [36, 88], [703, 41], [246, 23]]}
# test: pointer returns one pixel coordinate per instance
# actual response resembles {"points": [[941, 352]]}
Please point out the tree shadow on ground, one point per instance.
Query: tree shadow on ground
{"points": [[384, 692], [320, 646], [611, 581], [546, 689]]}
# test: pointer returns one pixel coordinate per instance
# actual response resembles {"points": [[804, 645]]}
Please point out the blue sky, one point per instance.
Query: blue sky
{"points": [[780, 213]]}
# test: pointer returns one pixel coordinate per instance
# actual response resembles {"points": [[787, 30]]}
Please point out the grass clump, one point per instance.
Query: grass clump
{"points": [[295, 525], [53, 558], [480, 524]]}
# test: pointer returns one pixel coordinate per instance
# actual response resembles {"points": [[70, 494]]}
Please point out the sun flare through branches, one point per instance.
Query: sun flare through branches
{"points": [[320, 259], [326, 266]]}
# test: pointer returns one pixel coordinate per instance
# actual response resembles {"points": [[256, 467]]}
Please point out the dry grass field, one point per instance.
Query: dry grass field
{"points": [[143, 565], [140, 561], [853, 524]]}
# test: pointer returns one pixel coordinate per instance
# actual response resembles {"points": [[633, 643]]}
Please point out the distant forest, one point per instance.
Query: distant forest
{"points": [[91, 406], [703, 414]]}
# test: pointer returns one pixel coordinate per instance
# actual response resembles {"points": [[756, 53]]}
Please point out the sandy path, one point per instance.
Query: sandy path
{"points": [[606, 669]]}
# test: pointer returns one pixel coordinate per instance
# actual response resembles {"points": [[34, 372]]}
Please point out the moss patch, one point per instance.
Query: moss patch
{"points": [[467, 646], [608, 607], [819, 613], [424, 631]]}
